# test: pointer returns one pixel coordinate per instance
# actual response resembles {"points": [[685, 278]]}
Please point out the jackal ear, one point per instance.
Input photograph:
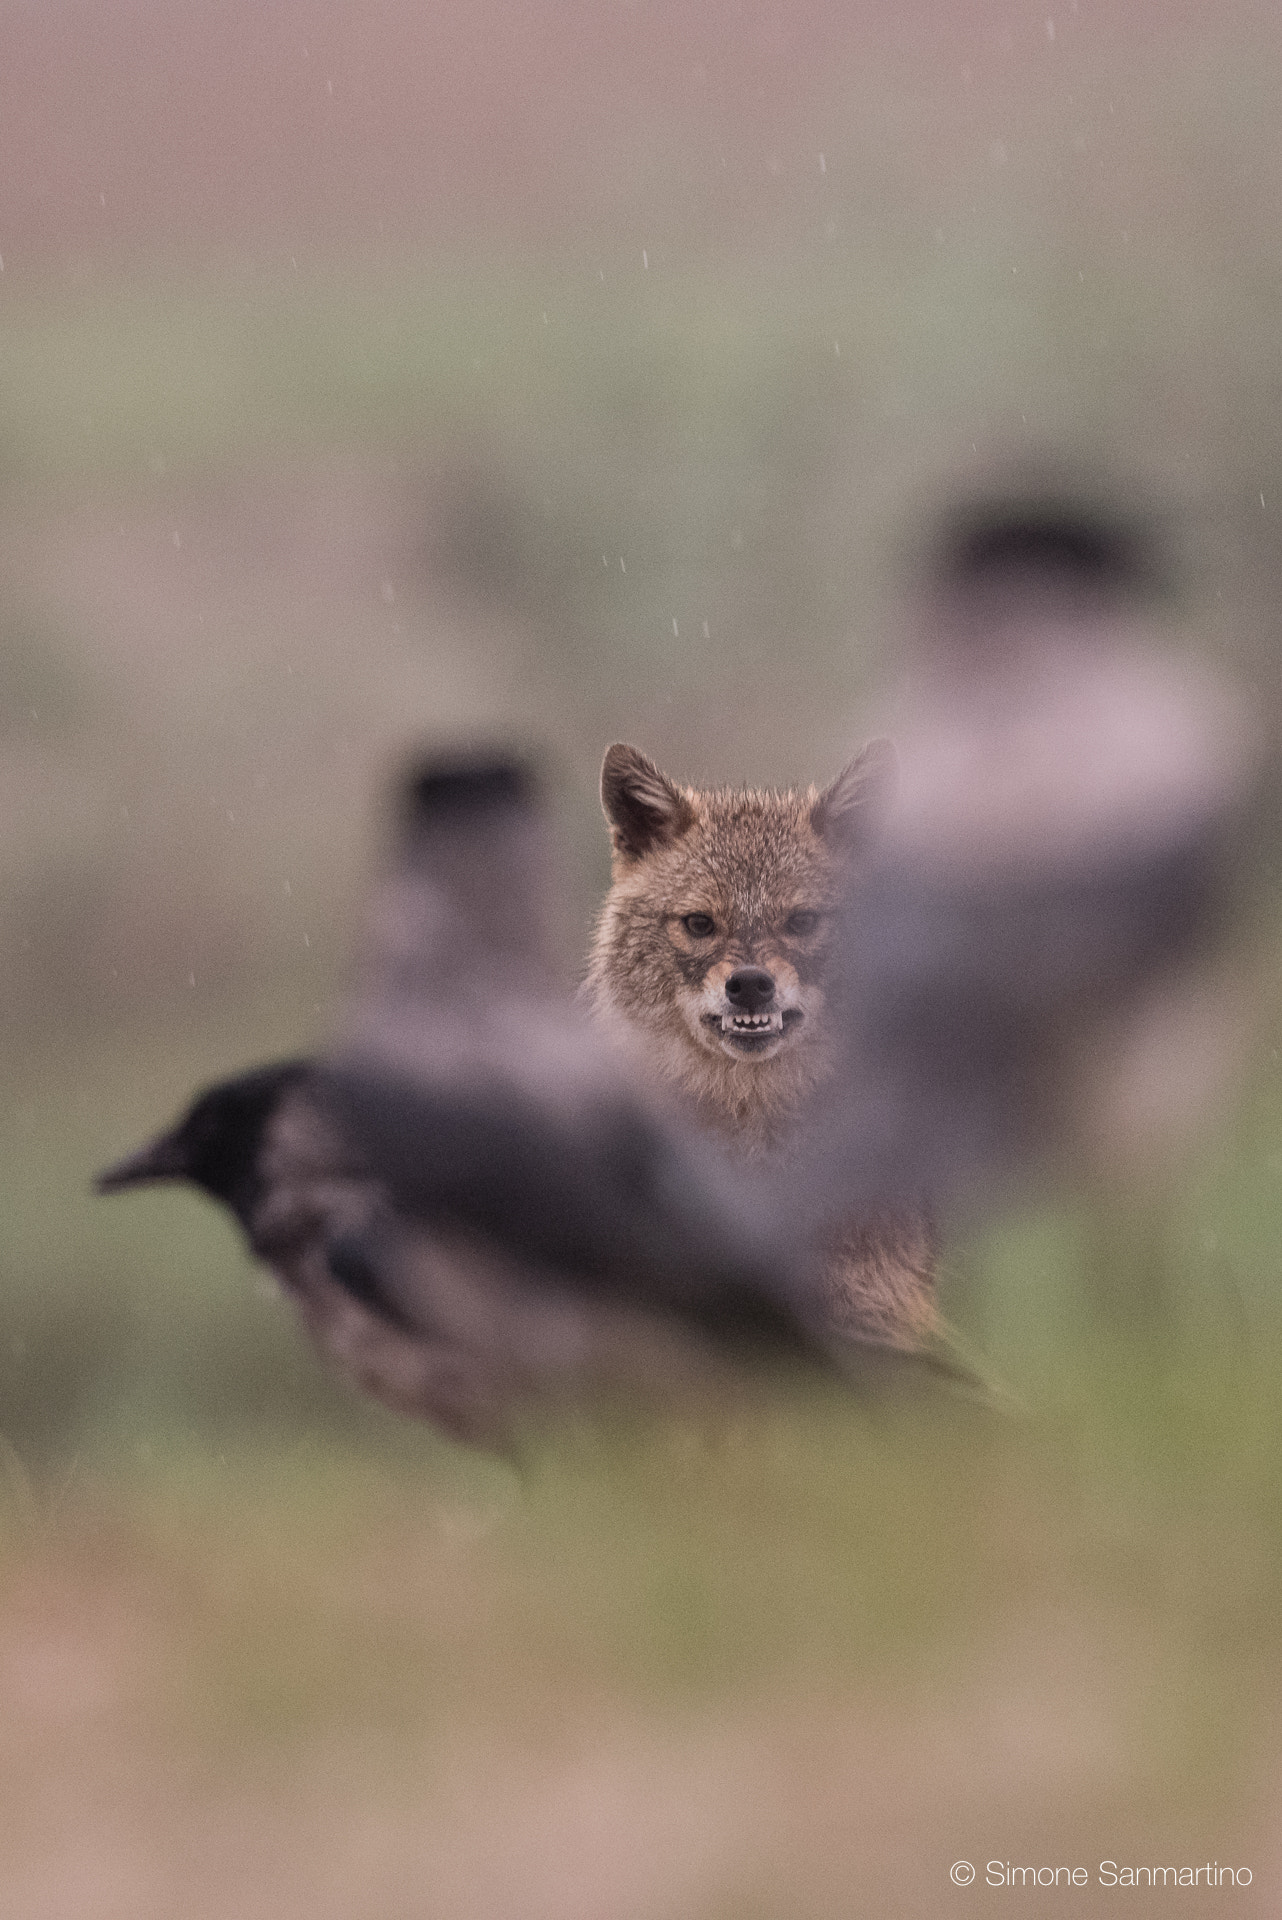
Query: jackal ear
{"points": [[848, 810], [644, 809]]}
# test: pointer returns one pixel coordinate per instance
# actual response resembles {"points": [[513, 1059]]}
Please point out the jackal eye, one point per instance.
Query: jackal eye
{"points": [[802, 922], [699, 925]]}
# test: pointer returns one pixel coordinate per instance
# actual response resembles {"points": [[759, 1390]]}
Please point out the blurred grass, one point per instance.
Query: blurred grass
{"points": [[855, 1645]]}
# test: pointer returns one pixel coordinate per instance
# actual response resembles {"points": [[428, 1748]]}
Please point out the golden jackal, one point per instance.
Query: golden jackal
{"points": [[708, 965]]}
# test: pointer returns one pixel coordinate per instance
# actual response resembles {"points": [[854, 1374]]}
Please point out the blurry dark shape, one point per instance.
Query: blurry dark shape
{"points": [[971, 1003], [471, 895], [466, 786], [217, 1144], [261, 1144], [597, 1191], [1076, 802], [1047, 541], [501, 1260]]}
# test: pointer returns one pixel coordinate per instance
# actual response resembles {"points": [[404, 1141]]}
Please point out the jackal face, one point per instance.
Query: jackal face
{"points": [[713, 940]]}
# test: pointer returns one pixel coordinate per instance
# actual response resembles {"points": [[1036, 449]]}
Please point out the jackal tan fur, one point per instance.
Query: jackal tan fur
{"points": [[707, 966]]}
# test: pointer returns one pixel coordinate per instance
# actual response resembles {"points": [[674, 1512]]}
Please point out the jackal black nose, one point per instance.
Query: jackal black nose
{"points": [[750, 989]]}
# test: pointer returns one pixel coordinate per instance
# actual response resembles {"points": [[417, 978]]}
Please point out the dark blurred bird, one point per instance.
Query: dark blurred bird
{"points": [[1077, 802]]}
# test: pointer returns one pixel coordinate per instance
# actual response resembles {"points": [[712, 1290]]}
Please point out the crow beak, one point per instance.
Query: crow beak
{"points": [[163, 1159]]}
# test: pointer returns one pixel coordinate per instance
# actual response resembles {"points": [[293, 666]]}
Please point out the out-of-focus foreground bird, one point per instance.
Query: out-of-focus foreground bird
{"points": [[1077, 804], [474, 1207]]}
